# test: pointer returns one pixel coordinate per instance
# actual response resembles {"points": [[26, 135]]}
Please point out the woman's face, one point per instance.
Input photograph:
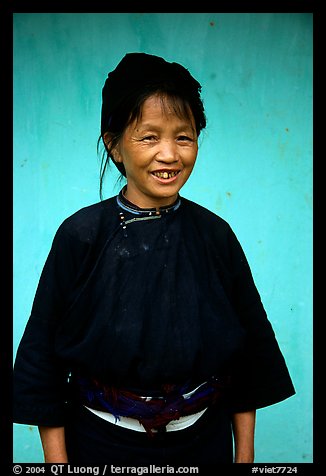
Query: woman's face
{"points": [[158, 152]]}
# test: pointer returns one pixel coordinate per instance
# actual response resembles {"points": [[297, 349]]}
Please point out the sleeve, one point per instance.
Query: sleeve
{"points": [[260, 377], [40, 380]]}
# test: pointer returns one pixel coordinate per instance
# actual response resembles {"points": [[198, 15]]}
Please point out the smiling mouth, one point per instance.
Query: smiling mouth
{"points": [[166, 175]]}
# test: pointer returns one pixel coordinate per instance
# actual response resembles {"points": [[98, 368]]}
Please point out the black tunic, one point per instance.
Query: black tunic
{"points": [[139, 299]]}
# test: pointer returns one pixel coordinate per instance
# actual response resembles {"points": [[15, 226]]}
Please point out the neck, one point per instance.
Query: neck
{"points": [[151, 202]]}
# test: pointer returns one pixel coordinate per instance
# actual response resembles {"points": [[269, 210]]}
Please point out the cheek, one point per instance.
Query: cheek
{"points": [[189, 159], [130, 158], [188, 167], [136, 165]]}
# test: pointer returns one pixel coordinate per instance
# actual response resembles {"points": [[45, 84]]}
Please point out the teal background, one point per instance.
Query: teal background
{"points": [[254, 166]]}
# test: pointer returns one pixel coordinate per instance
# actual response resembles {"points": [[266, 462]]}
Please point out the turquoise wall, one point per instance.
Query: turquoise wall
{"points": [[254, 166]]}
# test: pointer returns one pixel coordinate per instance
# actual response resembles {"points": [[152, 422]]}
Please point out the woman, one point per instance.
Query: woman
{"points": [[147, 341]]}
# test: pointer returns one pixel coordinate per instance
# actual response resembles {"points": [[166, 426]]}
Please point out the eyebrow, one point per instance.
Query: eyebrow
{"points": [[152, 127]]}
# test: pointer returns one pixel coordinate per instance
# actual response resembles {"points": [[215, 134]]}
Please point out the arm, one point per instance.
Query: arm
{"points": [[243, 431], [54, 446], [40, 378]]}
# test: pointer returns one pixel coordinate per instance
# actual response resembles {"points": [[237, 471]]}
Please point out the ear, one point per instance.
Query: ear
{"points": [[107, 137], [117, 157]]}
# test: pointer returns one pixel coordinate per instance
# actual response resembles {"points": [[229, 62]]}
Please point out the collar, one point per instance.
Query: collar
{"points": [[134, 209]]}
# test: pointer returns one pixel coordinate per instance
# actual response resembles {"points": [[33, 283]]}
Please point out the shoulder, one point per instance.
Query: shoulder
{"points": [[213, 229], [88, 222], [205, 216]]}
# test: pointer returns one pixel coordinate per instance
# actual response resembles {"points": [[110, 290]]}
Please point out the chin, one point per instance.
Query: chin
{"points": [[167, 194]]}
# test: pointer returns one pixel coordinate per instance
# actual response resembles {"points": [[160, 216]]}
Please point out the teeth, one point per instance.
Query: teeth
{"points": [[165, 175]]}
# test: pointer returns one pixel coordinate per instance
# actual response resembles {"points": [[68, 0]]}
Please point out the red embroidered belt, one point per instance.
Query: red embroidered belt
{"points": [[154, 413]]}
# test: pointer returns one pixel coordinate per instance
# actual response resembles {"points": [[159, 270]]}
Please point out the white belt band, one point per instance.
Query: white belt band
{"points": [[133, 424]]}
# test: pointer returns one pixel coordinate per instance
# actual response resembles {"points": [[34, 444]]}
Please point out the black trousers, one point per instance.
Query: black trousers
{"points": [[92, 440]]}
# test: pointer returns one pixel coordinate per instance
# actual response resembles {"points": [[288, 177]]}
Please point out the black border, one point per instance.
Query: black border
{"points": [[7, 9]]}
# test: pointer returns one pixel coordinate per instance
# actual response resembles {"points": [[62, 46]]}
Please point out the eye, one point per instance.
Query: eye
{"points": [[149, 138], [184, 138]]}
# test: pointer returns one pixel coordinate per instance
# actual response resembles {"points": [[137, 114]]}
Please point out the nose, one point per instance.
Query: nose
{"points": [[167, 152]]}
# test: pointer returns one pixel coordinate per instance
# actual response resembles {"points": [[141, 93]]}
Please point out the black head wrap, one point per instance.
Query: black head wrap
{"points": [[137, 71], [140, 73]]}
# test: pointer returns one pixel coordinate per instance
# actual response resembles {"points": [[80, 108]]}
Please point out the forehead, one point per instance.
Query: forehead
{"points": [[157, 102], [159, 106]]}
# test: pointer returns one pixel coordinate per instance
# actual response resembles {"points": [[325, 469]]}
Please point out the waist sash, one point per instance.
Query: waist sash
{"points": [[154, 413]]}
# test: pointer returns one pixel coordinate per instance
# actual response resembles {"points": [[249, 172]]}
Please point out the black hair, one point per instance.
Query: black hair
{"points": [[183, 96]]}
